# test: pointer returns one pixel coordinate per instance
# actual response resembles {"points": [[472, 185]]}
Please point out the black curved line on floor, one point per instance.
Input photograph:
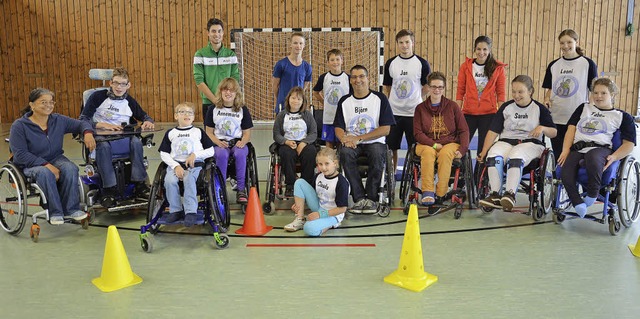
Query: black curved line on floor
{"points": [[452, 231]]}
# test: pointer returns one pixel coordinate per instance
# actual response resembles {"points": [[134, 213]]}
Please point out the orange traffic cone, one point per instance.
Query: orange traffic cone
{"points": [[254, 224], [635, 249], [410, 273], [116, 271]]}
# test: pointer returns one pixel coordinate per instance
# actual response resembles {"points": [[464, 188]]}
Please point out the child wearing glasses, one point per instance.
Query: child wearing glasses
{"points": [[107, 110], [229, 124], [184, 149]]}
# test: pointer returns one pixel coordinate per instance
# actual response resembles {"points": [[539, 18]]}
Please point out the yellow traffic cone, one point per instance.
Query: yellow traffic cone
{"points": [[116, 271], [635, 249], [410, 273]]}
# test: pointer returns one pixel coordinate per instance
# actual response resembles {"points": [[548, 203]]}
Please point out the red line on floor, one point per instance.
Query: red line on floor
{"points": [[311, 245]]}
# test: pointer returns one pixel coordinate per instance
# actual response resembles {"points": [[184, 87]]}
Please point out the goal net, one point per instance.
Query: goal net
{"points": [[258, 50]]}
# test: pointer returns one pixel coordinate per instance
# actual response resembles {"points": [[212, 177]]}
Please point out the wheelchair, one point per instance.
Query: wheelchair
{"points": [[620, 193], [90, 182], [461, 178], [537, 182], [275, 177], [15, 192], [386, 191], [213, 208], [251, 172]]}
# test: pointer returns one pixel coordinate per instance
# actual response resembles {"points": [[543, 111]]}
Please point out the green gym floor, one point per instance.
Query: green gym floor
{"points": [[496, 265]]}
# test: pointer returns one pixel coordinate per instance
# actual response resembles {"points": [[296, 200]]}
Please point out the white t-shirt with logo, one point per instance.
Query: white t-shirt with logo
{"points": [[406, 76], [333, 87], [359, 116], [226, 123]]}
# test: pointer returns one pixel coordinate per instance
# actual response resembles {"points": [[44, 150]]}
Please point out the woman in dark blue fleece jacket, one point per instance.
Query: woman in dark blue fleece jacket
{"points": [[36, 142]]}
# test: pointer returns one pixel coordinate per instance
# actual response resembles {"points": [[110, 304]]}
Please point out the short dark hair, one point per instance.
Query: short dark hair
{"points": [[214, 21], [359, 67], [404, 33], [335, 52], [297, 34]]}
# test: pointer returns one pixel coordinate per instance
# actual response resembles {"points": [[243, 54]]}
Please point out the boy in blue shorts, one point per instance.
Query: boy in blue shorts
{"points": [[184, 149], [331, 86]]}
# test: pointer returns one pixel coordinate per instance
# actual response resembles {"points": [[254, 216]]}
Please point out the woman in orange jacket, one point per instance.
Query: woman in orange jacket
{"points": [[481, 88]]}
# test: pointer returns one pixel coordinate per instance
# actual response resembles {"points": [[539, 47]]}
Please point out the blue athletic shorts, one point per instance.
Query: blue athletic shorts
{"points": [[329, 133]]}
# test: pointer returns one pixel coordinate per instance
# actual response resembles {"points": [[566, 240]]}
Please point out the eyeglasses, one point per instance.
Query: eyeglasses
{"points": [[437, 87], [120, 84], [185, 112], [49, 103]]}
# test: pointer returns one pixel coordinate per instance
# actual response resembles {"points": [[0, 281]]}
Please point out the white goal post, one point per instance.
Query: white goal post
{"points": [[258, 50]]}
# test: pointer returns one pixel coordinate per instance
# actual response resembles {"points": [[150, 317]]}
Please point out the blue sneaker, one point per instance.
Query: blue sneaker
{"points": [[190, 219]]}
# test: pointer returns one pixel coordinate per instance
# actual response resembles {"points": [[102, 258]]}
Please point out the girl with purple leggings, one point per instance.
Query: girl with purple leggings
{"points": [[228, 124]]}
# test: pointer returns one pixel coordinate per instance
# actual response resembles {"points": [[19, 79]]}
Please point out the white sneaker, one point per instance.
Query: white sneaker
{"points": [[77, 215], [56, 220], [295, 225]]}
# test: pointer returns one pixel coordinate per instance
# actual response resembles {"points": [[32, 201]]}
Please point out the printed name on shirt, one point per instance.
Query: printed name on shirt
{"points": [[566, 71], [222, 113], [325, 186], [479, 75], [183, 135], [521, 116], [335, 82], [403, 72], [113, 108], [596, 114], [295, 117], [360, 109]]}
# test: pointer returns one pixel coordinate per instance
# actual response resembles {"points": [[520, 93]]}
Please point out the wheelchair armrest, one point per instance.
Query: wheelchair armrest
{"points": [[273, 148]]}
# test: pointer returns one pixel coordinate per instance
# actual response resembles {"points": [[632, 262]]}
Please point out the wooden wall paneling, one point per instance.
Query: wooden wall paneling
{"points": [[178, 79], [3, 60], [450, 58], [459, 45], [83, 50], [508, 45], [74, 89], [59, 46], [524, 36], [164, 60], [615, 52], [436, 36], [611, 33], [144, 79], [154, 99], [600, 23], [629, 83], [15, 72], [64, 89]]}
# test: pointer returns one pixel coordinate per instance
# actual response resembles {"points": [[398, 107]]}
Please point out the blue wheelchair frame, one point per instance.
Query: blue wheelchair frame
{"points": [[626, 171], [213, 206]]}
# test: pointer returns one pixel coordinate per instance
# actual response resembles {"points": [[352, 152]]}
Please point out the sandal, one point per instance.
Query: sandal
{"points": [[428, 198]]}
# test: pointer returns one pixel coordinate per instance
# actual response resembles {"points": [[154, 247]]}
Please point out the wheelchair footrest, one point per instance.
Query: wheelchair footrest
{"points": [[199, 221]]}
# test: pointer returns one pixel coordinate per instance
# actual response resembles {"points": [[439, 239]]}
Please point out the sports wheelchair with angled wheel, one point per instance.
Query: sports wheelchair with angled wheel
{"points": [[619, 193], [536, 182], [16, 190], [213, 208], [276, 179]]}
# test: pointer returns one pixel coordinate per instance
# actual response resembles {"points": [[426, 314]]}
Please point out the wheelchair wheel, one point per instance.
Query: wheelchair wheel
{"points": [[384, 210], [157, 202], [271, 191], [218, 203], [269, 208], [483, 189], [221, 241], [628, 190], [558, 218], [470, 186], [458, 212], [614, 225], [390, 178], [13, 199], [406, 183], [252, 170], [146, 242], [545, 184]]}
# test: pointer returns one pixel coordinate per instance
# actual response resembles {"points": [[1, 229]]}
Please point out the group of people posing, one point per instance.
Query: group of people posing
{"points": [[356, 119]]}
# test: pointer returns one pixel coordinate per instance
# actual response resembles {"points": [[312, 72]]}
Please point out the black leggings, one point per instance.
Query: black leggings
{"points": [[480, 123], [594, 161]]}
